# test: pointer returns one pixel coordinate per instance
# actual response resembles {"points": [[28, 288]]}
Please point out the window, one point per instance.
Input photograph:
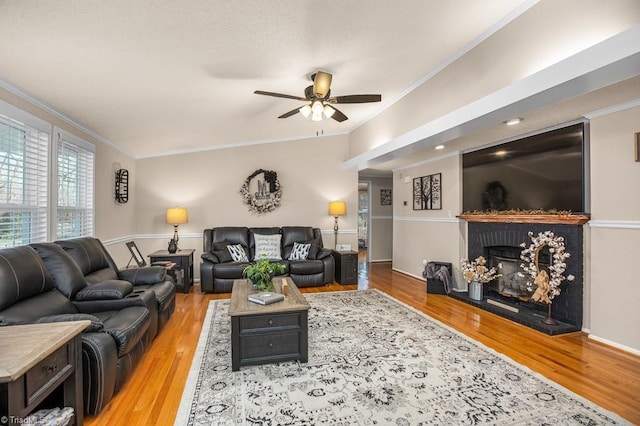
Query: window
{"points": [[75, 163], [46, 188], [23, 179]]}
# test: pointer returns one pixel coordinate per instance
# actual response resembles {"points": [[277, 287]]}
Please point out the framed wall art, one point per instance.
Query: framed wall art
{"points": [[427, 192], [385, 197], [637, 146], [135, 254]]}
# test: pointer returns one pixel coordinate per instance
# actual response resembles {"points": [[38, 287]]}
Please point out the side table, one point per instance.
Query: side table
{"points": [[183, 260], [346, 263], [35, 360]]}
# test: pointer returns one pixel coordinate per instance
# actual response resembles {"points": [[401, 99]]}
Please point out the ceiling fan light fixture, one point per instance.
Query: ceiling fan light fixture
{"points": [[316, 117], [317, 107], [328, 111], [305, 110]]}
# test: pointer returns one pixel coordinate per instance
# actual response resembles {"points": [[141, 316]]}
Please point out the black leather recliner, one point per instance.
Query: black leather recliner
{"points": [[98, 266], [217, 271], [111, 346]]}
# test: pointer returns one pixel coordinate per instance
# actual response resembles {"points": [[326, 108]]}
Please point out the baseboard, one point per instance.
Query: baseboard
{"points": [[381, 260], [615, 345], [407, 273]]}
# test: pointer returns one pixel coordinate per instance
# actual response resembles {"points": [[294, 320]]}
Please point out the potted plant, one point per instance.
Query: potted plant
{"points": [[476, 274], [261, 273]]}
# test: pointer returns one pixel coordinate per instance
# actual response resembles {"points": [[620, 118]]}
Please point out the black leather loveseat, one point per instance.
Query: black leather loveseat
{"points": [[42, 283], [218, 270], [97, 266]]}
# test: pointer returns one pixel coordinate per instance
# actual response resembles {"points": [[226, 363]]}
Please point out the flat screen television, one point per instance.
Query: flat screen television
{"points": [[543, 171]]}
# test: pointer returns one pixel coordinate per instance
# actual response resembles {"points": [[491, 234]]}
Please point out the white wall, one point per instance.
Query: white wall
{"points": [[615, 229], [208, 184], [431, 235]]}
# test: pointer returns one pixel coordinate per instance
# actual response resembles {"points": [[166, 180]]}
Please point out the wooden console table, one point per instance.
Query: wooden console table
{"points": [[34, 361]]}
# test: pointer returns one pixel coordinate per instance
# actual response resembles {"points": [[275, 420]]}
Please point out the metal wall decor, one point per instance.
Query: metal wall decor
{"points": [[262, 191], [427, 192], [122, 186]]}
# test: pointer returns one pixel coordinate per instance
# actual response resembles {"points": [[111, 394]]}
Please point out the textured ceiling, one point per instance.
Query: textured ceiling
{"points": [[156, 77]]}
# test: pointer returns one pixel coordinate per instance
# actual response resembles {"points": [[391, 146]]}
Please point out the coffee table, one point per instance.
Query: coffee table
{"points": [[263, 334]]}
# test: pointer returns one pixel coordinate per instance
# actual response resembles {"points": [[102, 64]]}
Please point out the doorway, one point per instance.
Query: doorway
{"points": [[364, 220]]}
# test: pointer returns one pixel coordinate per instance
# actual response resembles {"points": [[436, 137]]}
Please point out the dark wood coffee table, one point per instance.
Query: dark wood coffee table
{"points": [[263, 334]]}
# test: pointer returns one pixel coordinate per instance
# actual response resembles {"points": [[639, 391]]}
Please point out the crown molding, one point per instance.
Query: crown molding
{"points": [[38, 103]]}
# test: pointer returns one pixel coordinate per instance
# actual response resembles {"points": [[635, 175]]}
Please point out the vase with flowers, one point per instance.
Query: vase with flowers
{"points": [[476, 273]]}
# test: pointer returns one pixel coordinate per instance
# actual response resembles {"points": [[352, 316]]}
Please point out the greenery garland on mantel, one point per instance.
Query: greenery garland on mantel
{"points": [[526, 216], [266, 202]]}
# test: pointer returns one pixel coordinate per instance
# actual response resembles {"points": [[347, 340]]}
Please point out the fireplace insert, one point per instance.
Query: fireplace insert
{"points": [[511, 286]]}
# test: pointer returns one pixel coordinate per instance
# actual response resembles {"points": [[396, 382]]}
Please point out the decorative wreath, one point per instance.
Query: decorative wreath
{"points": [[271, 194], [547, 283]]}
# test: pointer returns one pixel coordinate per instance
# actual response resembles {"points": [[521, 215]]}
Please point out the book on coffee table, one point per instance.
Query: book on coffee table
{"points": [[265, 298]]}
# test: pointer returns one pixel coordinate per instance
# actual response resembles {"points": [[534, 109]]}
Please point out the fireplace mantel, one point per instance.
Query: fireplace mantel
{"points": [[561, 219]]}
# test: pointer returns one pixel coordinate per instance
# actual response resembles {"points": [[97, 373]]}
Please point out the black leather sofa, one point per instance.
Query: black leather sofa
{"points": [[44, 283], [98, 266], [118, 335], [217, 271]]}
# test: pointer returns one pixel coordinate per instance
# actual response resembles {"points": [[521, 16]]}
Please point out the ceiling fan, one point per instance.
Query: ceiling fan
{"points": [[318, 96]]}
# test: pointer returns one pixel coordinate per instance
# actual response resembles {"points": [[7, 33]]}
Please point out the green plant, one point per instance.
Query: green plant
{"points": [[261, 273]]}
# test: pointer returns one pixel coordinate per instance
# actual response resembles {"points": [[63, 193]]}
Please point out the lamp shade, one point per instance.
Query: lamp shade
{"points": [[177, 215], [337, 208]]}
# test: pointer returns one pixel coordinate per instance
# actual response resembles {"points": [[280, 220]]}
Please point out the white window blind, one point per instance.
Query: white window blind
{"points": [[75, 161], [23, 180]]}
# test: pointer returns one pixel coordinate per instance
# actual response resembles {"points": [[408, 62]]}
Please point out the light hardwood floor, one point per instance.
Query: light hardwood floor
{"points": [[602, 374]]}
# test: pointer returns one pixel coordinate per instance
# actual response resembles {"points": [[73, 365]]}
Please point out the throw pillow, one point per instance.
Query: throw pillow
{"points": [[267, 247], [220, 245], [237, 253], [315, 247], [300, 251]]}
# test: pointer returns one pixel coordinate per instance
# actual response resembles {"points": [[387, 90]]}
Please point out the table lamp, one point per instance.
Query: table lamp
{"points": [[176, 216], [337, 208]]}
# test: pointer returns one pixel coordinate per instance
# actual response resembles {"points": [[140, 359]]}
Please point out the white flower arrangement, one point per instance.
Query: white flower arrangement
{"points": [[556, 270], [478, 270]]}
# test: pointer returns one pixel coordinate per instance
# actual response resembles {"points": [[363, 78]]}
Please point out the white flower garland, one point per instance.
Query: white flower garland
{"points": [[556, 270], [265, 206]]}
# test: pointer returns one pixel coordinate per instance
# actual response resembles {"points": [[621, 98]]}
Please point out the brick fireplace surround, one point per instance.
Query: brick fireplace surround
{"points": [[489, 231]]}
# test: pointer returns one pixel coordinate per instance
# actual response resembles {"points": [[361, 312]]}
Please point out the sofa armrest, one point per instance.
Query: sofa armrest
{"points": [[106, 290], [329, 266], [210, 257], [99, 370], [96, 324], [323, 253], [140, 276]]}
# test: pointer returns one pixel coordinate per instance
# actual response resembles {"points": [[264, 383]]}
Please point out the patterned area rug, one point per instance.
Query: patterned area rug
{"points": [[374, 361]]}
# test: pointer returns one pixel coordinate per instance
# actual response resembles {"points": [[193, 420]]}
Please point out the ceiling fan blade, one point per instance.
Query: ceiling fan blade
{"points": [[290, 113], [279, 95], [355, 99], [338, 115], [321, 84]]}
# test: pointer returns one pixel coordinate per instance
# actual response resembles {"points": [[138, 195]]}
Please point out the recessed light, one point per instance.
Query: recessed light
{"points": [[440, 147], [513, 121], [501, 153]]}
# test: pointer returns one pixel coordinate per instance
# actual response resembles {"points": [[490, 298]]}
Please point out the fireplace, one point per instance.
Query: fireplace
{"points": [[508, 296]]}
